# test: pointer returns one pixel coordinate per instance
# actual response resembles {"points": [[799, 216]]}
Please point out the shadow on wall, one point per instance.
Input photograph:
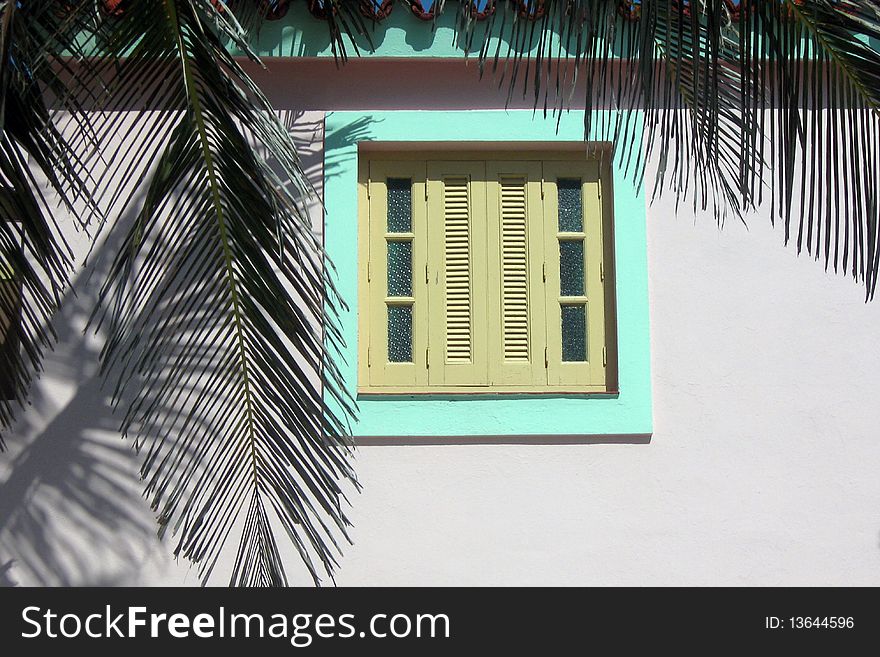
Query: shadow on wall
{"points": [[299, 34], [347, 136], [307, 132], [5, 578], [71, 511], [72, 508]]}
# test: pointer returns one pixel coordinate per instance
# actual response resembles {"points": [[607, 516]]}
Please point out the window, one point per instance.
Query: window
{"points": [[484, 274]]}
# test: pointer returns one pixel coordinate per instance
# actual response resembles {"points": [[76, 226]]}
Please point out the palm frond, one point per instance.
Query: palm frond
{"points": [[39, 169], [740, 100], [827, 158], [218, 307]]}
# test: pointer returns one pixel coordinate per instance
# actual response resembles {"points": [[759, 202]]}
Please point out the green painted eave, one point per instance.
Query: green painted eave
{"points": [[401, 35]]}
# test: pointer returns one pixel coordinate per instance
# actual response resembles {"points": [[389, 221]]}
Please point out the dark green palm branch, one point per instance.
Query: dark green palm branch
{"points": [[218, 307], [705, 77], [38, 169]]}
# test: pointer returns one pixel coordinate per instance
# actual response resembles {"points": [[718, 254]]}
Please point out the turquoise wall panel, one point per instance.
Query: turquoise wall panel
{"points": [[628, 412], [299, 34]]}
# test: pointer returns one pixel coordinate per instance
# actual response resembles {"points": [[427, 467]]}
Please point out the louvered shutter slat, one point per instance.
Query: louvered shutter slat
{"points": [[458, 270], [456, 209], [514, 274], [516, 324]]}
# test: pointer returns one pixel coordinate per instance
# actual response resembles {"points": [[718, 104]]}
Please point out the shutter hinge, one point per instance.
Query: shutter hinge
{"points": [[544, 271], [604, 357], [426, 191], [601, 271], [369, 273], [369, 187], [427, 350], [426, 274], [542, 186], [546, 361], [369, 363]]}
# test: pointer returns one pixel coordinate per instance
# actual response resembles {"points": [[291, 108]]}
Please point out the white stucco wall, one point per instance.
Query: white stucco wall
{"points": [[762, 469]]}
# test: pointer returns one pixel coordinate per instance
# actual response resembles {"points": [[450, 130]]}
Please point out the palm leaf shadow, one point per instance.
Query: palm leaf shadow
{"points": [[71, 507]]}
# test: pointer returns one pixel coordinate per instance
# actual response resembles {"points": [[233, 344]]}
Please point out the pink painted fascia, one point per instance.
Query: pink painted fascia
{"points": [[400, 84]]}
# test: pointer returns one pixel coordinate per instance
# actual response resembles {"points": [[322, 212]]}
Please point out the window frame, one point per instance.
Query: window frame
{"points": [[498, 161]]}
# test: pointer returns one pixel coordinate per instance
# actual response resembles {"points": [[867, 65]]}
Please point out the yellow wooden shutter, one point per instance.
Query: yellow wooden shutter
{"points": [[502, 287], [516, 255], [575, 306], [393, 358], [457, 273]]}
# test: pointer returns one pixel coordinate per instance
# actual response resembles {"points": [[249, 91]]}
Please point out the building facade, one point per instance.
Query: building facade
{"points": [[560, 380]]}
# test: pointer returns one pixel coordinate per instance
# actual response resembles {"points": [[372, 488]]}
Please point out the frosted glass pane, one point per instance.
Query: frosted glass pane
{"points": [[400, 269], [400, 334], [399, 205], [574, 333], [571, 268], [571, 206]]}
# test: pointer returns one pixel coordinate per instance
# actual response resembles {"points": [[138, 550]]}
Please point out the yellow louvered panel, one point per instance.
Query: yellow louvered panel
{"points": [[457, 245], [516, 298], [457, 274], [514, 270]]}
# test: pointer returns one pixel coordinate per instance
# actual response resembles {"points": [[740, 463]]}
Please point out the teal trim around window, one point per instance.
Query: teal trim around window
{"points": [[625, 413]]}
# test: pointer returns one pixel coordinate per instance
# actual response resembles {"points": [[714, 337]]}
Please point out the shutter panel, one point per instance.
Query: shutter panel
{"points": [[457, 273], [514, 270], [397, 309], [575, 292], [517, 333], [457, 244]]}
